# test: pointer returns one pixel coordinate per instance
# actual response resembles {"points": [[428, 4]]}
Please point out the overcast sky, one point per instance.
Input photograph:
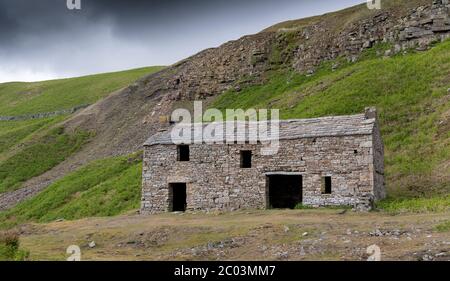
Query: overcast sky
{"points": [[42, 39]]}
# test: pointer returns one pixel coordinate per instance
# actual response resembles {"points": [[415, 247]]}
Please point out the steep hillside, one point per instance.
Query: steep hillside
{"points": [[34, 140], [310, 67], [21, 98], [125, 120], [102, 188]]}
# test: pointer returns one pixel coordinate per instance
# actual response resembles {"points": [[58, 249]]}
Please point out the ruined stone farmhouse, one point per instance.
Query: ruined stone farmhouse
{"points": [[325, 161]]}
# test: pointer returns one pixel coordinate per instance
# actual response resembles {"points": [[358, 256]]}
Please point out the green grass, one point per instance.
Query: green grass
{"points": [[14, 132], [415, 205], [20, 98], [38, 157], [29, 148], [410, 92], [300, 206], [443, 227], [103, 188]]}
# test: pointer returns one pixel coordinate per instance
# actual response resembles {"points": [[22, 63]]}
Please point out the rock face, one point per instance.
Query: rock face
{"points": [[320, 162], [215, 70], [417, 28], [304, 47]]}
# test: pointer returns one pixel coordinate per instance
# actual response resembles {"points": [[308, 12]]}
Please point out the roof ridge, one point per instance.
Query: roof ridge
{"points": [[328, 126]]}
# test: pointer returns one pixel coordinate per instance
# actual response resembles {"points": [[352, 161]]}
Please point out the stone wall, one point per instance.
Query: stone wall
{"points": [[43, 114], [215, 180]]}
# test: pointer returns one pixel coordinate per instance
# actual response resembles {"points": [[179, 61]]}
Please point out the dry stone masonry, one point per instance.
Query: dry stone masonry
{"points": [[325, 161]]}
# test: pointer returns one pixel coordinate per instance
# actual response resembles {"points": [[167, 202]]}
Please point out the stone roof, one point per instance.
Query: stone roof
{"points": [[288, 129]]}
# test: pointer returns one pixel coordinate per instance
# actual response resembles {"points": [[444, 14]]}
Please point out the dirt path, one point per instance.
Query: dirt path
{"points": [[254, 235]]}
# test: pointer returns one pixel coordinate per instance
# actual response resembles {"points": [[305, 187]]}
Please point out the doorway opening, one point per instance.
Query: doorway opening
{"points": [[285, 191], [177, 197]]}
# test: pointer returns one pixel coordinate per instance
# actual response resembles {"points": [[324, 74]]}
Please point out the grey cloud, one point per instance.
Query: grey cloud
{"points": [[46, 39]]}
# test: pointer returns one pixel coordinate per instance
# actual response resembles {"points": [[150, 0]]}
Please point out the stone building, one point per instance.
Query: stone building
{"points": [[320, 162]]}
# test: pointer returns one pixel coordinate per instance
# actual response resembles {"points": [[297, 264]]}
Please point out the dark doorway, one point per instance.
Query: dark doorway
{"points": [[285, 191], [177, 197]]}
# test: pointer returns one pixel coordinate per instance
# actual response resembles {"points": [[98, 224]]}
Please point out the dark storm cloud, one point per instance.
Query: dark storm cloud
{"points": [[42, 39]]}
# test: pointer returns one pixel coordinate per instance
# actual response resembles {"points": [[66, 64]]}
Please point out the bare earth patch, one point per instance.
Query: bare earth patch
{"points": [[244, 235]]}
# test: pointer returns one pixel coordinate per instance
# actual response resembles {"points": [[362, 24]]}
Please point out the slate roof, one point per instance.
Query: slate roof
{"points": [[288, 129]]}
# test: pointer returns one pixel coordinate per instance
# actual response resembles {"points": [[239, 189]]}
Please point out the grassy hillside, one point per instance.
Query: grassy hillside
{"points": [[103, 188], [29, 148], [13, 132], [411, 93], [39, 157], [19, 98]]}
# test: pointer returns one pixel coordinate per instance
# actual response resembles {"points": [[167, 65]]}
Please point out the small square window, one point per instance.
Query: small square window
{"points": [[183, 153], [246, 159], [326, 185]]}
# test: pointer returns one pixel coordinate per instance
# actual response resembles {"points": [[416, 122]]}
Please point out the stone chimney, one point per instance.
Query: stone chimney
{"points": [[370, 113]]}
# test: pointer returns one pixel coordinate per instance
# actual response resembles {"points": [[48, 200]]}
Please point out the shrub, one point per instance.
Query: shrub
{"points": [[9, 247]]}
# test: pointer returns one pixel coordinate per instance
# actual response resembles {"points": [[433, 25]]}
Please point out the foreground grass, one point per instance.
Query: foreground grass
{"points": [[10, 247], [243, 235], [103, 188], [415, 205], [17, 98], [410, 92], [443, 227], [39, 157]]}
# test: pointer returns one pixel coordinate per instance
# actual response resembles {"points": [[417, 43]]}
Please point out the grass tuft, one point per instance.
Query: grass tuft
{"points": [[9, 247]]}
